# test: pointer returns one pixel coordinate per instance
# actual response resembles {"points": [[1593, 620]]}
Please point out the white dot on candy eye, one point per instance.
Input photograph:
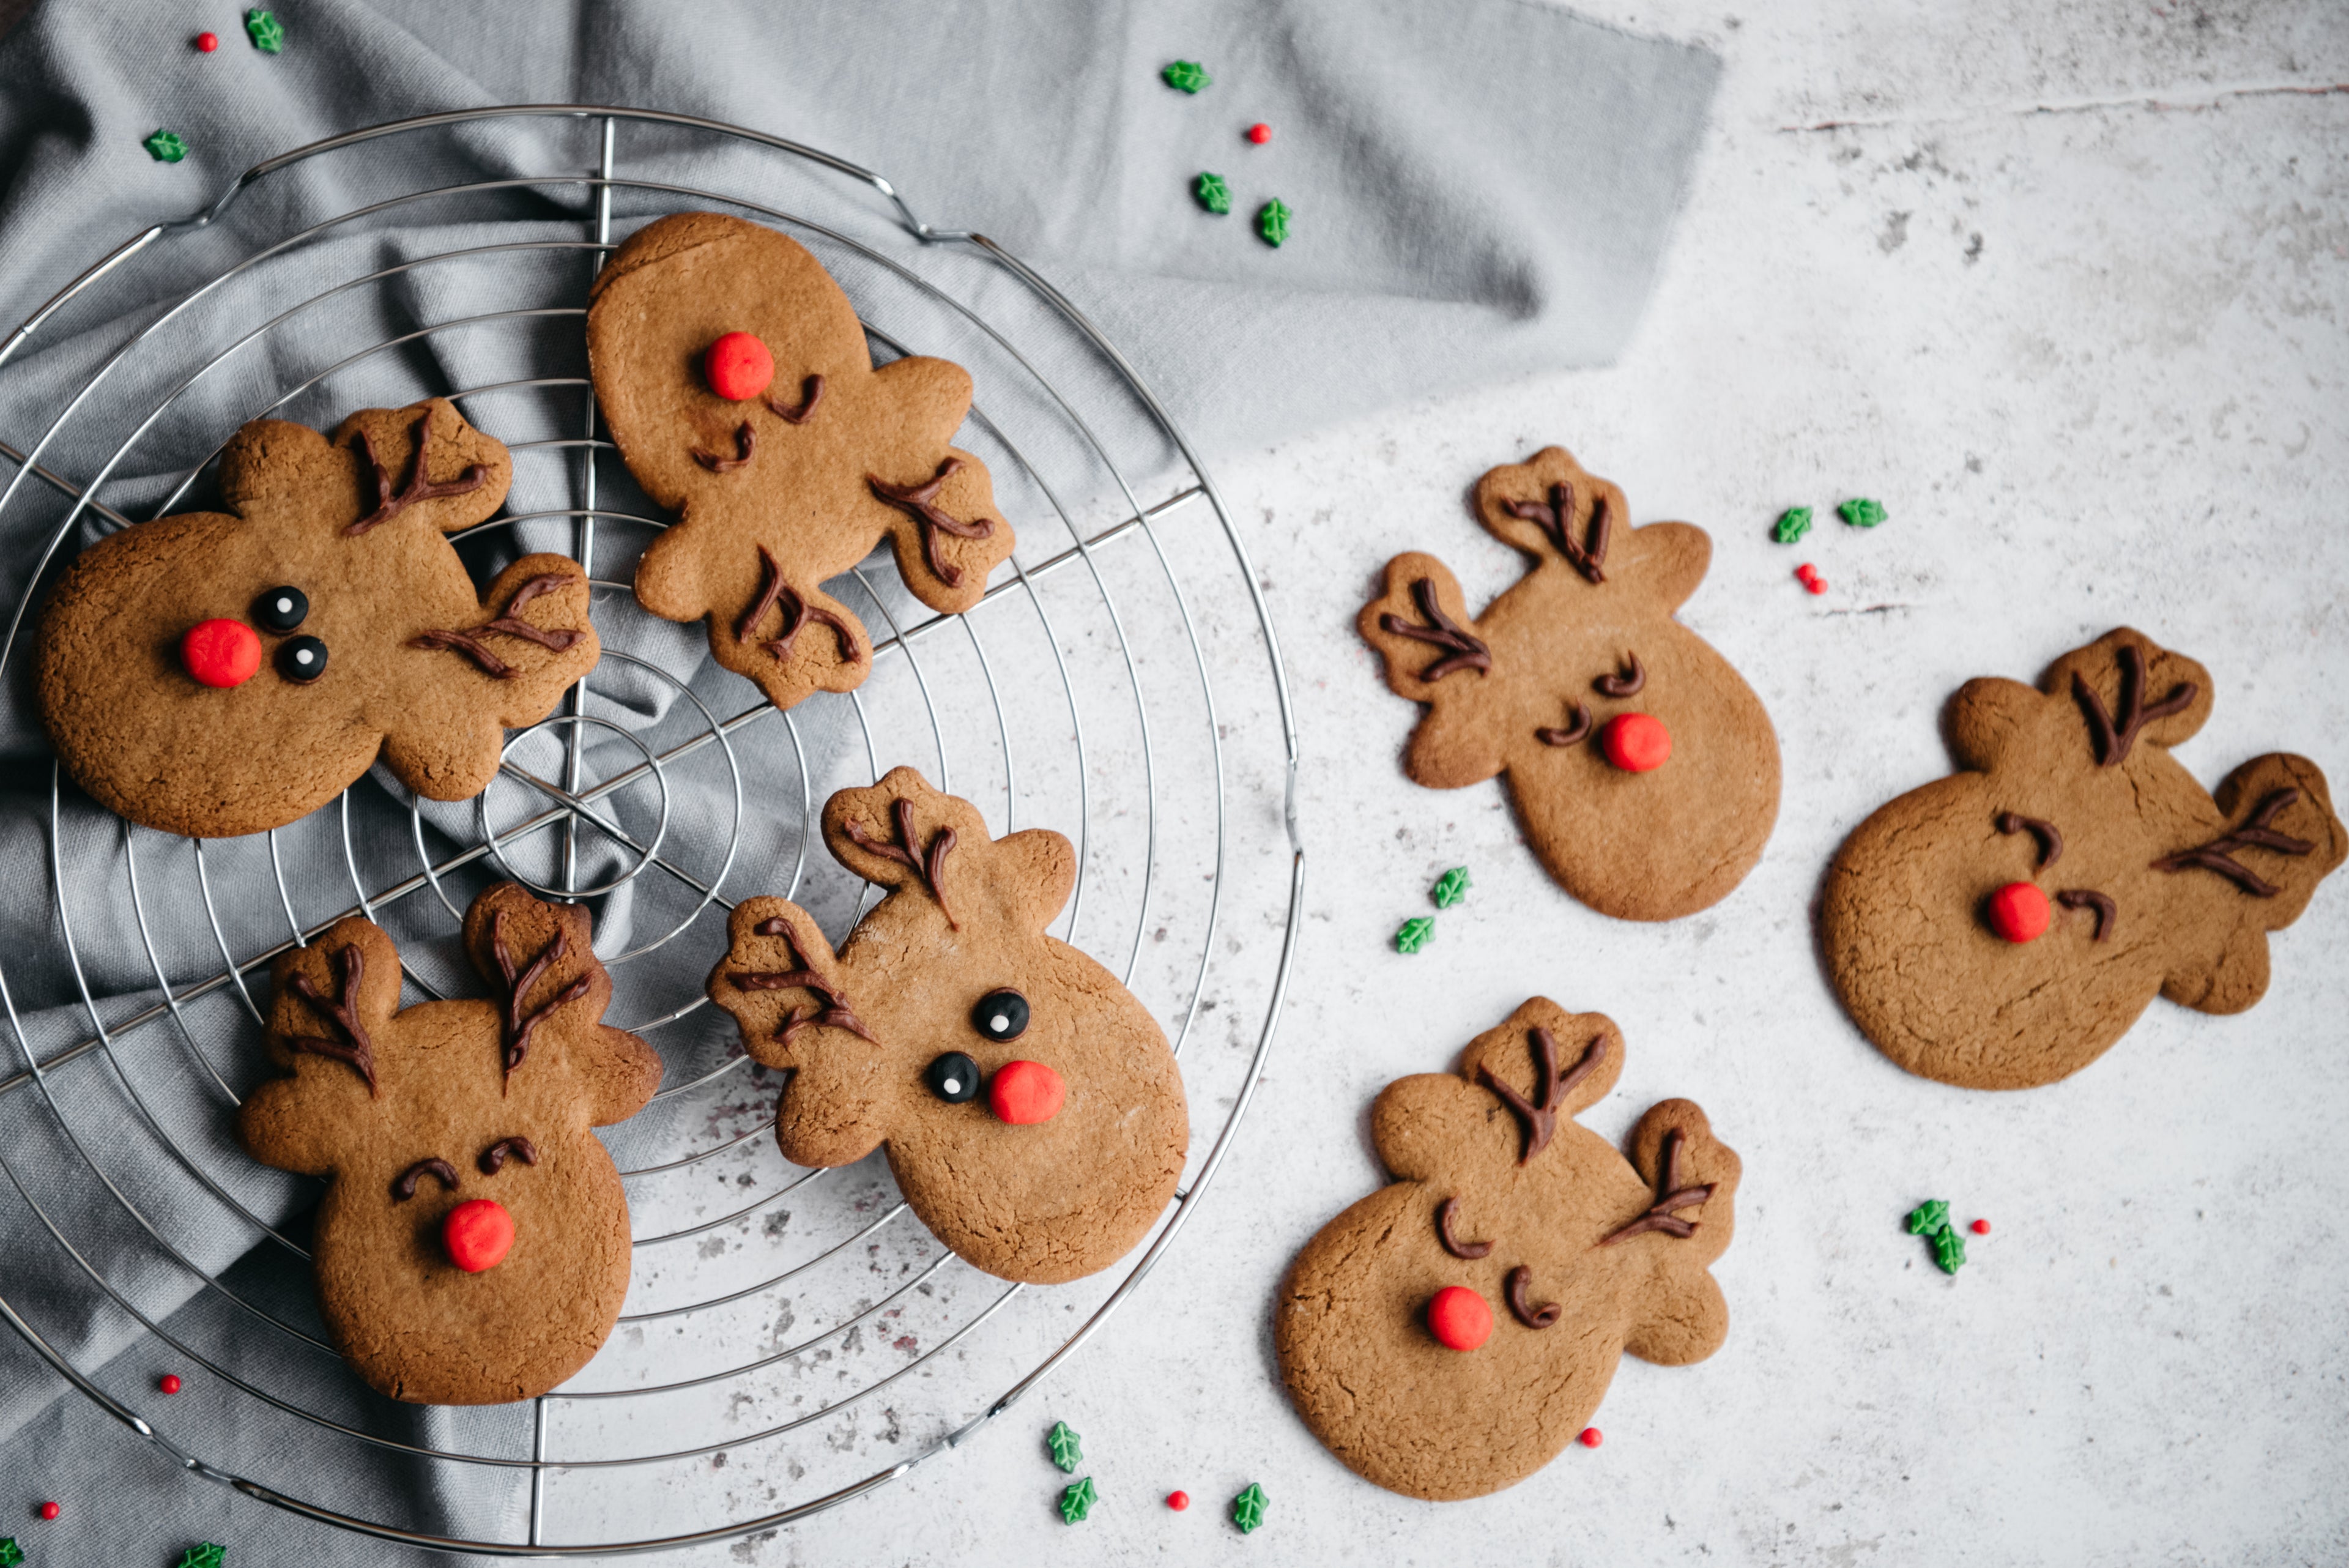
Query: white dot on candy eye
{"points": [[999, 1023], [953, 1086], [285, 607], [303, 656]]}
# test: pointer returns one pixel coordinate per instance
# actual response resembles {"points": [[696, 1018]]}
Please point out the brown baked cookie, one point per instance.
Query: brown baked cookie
{"points": [[1448, 1334], [448, 1132], [216, 673], [1033, 1112], [736, 380], [2001, 927], [1643, 768]]}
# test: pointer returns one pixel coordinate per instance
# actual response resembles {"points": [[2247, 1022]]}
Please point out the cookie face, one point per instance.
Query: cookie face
{"points": [[2001, 927], [472, 1246], [1643, 768], [1033, 1110], [737, 383], [1448, 1334], [216, 673]]}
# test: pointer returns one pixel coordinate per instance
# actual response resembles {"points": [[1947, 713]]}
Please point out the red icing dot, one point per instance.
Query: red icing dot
{"points": [[208, 42], [1979, 1226], [221, 653], [478, 1234], [1026, 1093], [2018, 912], [171, 1384], [738, 367], [1591, 1437], [50, 1510], [1178, 1501], [1635, 743], [1459, 1318], [1259, 133]]}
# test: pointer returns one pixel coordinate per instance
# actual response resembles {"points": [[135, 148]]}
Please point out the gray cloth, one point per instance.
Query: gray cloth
{"points": [[1480, 189]]}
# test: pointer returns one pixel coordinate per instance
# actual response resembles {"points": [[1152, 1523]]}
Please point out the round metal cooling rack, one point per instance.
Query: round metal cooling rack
{"points": [[791, 1339]]}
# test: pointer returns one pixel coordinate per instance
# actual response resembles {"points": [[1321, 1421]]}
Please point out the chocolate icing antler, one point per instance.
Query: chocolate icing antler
{"points": [[2107, 912], [470, 644], [1579, 729], [519, 1025], [345, 1012], [388, 506], [2113, 741], [742, 457], [832, 1009], [1532, 1316], [797, 613], [811, 394], [1452, 1244], [922, 501], [929, 866], [2051, 843], [1628, 684], [1469, 651], [1672, 1196], [493, 1158], [2255, 834], [1556, 518], [404, 1188], [1540, 1118]]}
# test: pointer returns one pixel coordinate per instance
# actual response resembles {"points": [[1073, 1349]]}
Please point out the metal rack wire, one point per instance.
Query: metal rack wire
{"points": [[1120, 681]]}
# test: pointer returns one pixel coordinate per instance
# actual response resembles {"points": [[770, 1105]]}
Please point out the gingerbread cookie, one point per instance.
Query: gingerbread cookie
{"points": [[1033, 1113], [220, 673], [736, 381], [472, 1246], [1448, 1334], [2001, 927], [1643, 768]]}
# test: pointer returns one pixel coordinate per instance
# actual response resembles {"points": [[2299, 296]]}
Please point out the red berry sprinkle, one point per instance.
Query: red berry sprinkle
{"points": [[171, 1384], [208, 42], [1979, 1226], [50, 1510], [2019, 912], [1259, 133], [1591, 1437], [1178, 1501]]}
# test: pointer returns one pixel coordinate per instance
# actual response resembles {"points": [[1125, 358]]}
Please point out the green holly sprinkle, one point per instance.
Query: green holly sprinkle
{"points": [[1247, 1508], [1414, 934], [206, 1556], [1062, 1442], [1190, 75], [268, 34], [1861, 512], [10, 1552], [1792, 524], [1272, 223], [165, 146], [1451, 888], [1077, 1500], [1929, 1217], [1213, 193], [1949, 1249]]}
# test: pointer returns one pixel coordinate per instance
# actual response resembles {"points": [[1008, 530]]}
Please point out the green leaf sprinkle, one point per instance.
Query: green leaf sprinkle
{"points": [[1247, 1508], [268, 34], [1062, 1442], [1451, 888], [1792, 524], [1949, 1249], [1861, 512], [206, 1556], [1188, 75], [1929, 1217], [1213, 193], [1077, 1500], [10, 1552], [165, 146], [1272, 223], [1414, 934]]}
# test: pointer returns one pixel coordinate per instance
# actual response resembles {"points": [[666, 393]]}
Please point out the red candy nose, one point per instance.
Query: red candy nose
{"points": [[738, 367], [1459, 1318], [1635, 743], [478, 1234], [2018, 912], [1025, 1093], [221, 653]]}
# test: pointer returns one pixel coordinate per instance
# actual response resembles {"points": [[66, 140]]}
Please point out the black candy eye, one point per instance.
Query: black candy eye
{"points": [[302, 660], [280, 609], [1000, 1015], [953, 1077]]}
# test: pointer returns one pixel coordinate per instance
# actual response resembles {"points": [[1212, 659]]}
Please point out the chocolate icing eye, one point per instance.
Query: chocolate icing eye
{"points": [[280, 609], [954, 1078], [1000, 1015], [302, 660]]}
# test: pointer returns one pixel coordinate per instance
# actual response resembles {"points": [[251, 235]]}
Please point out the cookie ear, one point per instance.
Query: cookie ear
{"points": [[1987, 715], [2280, 839], [2131, 691], [1683, 1315], [331, 999], [1040, 867], [1663, 561]]}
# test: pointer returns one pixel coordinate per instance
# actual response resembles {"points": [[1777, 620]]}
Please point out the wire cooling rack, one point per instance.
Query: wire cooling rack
{"points": [[792, 1339]]}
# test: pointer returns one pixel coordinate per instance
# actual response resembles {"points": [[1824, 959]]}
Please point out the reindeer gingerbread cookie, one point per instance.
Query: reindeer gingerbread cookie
{"points": [[1033, 1110], [216, 673], [472, 1246], [2001, 927], [735, 377], [1448, 1334], [1643, 768]]}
